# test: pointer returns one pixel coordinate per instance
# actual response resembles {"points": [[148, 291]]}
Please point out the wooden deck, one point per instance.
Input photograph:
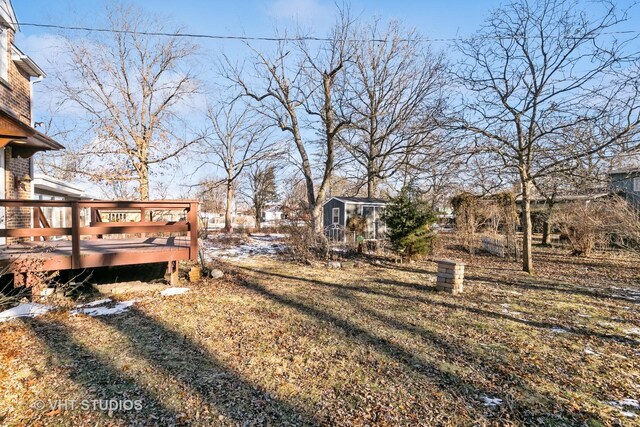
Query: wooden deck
{"points": [[85, 244], [57, 255]]}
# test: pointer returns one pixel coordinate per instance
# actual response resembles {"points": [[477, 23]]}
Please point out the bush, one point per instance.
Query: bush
{"points": [[598, 224], [409, 223], [302, 244]]}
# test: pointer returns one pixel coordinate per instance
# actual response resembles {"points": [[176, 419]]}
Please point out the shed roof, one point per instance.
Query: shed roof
{"points": [[361, 200]]}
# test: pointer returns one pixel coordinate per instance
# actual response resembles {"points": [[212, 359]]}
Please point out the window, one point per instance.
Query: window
{"points": [[636, 184], [336, 215], [4, 54]]}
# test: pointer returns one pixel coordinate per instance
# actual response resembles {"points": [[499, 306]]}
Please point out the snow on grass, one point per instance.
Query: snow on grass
{"points": [[119, 307], [590, 352], [253, 245], [173, 291], [623, 404], [632, 331], [29, 309], [94, 303], [491, 402], [558, 330]]}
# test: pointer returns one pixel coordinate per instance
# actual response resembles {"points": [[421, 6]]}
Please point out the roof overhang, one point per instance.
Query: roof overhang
{"points": [[8, 15], [26, 64], [355, 202], [53, 185], [23, 137]]}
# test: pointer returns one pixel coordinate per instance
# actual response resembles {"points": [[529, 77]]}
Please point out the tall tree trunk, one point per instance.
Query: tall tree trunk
{"points": [[371, 183], [546, 226], [143, 180], [258, 214], [316, 219], [228, 222], [527, 229]]}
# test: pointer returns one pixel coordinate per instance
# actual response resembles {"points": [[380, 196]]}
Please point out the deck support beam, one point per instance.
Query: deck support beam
{"points": [[172, 269]]}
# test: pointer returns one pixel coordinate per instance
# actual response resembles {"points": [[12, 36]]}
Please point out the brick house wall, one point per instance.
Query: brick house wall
{"points": [[15, 96]]}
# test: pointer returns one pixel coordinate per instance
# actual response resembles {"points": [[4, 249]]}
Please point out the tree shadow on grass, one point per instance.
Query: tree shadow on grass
{"points": [[449, 383], [179, 357], [428, 289], [99, 377], [543, 285]]}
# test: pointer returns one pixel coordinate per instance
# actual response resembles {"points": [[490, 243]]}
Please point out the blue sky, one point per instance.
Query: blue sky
{"points": [[436, 19]]}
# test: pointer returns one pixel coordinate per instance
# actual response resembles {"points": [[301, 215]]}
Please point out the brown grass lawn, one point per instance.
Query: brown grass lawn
{"points": [[277, 343]]}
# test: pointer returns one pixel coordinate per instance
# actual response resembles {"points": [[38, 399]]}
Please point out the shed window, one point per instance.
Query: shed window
{"points": [[636, 184], [336, 215]]}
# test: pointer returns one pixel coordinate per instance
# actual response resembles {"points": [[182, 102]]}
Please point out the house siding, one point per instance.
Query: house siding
{"points": [[622, 183]]}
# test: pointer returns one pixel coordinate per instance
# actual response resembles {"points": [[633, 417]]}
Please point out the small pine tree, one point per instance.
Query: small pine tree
{"points": [[409, 223]]}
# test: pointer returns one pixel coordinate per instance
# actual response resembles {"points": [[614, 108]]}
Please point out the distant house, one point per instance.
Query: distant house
{"points": [[272, 215], [626, 183], [337, 211], [49, 188]]}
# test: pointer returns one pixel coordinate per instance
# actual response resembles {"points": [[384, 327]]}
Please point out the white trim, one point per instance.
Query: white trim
{"points": [[333, 216], [8, 15], [636, 184], [4, 54], [26, 64], [355, 203], [54, 185], [3, 177]]}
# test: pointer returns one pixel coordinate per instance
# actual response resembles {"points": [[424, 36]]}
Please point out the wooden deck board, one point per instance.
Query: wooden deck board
{"points": [[56, 255]]}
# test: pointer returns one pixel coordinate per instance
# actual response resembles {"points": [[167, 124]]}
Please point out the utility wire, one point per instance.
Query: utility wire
{"points": [[276, 39]]}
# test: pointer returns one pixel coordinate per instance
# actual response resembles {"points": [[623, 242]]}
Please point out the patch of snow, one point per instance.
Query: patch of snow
{"points": [[590, 352], [29, 309], [626, 402], [173, 291], [632, 331], [491, 401], [94, 303], [583, 315], [255, 245], [558, 330], [119, 307], [606, 324]]}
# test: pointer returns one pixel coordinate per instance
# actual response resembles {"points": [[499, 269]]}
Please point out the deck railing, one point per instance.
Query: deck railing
{"points": [[96, 229]]}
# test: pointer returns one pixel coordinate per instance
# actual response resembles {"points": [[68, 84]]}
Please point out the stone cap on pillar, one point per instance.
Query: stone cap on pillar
{"points": [[449, 262]]}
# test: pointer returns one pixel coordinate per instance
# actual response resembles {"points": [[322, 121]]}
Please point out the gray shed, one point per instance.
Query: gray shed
{"points": [[337, 210]]}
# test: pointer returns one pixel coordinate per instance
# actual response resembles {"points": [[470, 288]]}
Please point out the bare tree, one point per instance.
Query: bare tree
{"points": [[537, 69], [395, 95], [129, 89], [261, 188], [236, 141], [294, 87]]}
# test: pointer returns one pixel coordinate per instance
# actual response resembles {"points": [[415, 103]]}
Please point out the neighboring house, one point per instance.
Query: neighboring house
{"points": [[19, 140], [337, 211], [272, 215], [49, 188], [626, 183]]}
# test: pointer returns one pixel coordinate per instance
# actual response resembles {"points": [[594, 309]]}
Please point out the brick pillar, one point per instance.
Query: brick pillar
{"points": [[450, 276]]}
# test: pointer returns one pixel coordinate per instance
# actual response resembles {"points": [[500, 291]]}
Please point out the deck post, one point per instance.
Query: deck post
{"points": [[192, 218], [75, 235], [172, 268]]}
